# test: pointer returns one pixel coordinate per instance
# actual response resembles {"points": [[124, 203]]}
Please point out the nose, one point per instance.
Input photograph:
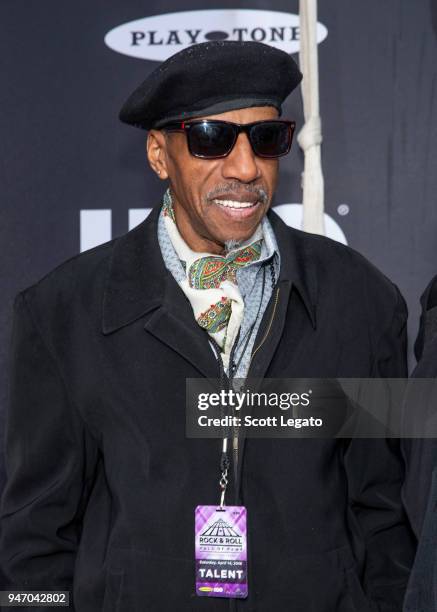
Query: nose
{"points": [[241, 163]]}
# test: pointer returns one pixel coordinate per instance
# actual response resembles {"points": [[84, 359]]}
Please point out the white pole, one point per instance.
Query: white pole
{"points": [[310, 136]]}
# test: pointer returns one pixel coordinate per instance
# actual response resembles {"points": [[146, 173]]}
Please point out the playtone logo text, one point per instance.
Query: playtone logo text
{"points": [[160, 36]]}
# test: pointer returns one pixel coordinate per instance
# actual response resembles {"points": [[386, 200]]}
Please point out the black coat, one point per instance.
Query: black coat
{"points": [[420, 487], [102, 482]]}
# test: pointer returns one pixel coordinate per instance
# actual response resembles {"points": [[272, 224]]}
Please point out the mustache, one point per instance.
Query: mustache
{"points": [[240, 190]]}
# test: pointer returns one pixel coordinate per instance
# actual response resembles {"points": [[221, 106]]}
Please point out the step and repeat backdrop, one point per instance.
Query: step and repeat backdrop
{"points": [[72, 176]]}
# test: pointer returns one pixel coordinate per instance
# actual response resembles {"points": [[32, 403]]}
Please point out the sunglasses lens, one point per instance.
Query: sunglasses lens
{"points": [[210, 139], [271, 139]]}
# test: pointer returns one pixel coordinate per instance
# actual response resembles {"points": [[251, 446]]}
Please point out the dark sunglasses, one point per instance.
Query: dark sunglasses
{"points": [[210, 138]]}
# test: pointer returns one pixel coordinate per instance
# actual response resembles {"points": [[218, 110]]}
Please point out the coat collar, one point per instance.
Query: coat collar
{"points": [[137, 279], [297, 262]]}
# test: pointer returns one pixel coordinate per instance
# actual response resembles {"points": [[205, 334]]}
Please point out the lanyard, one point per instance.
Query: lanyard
{"points": [[224, 381], [221, 532], [228, 380]]}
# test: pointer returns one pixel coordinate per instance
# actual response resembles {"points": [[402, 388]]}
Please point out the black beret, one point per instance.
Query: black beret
{"points": [[211, 78]]}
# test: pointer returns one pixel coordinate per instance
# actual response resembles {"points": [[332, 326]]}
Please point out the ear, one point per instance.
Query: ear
{"points": [[157, 153]]}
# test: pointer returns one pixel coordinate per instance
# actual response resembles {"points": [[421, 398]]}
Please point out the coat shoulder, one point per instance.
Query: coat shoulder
{"points": [[71, 281], [340, 266], [345, 283]]}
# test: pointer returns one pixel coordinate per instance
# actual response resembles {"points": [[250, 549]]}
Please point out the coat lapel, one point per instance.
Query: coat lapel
{"points": [[297, 275], [138, 283], [174, 324]]}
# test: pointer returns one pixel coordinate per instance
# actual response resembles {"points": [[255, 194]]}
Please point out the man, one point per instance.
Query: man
{"points": [[102, 481]]}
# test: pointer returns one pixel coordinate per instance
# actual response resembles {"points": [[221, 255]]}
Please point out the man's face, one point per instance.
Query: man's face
{"points": [[207, 193]]}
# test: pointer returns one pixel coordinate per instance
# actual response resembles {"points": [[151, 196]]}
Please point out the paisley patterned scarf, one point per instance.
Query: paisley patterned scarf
{"points": [[210, 282]]}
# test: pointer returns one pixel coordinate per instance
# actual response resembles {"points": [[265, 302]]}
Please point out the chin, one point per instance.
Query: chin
{"points": [[238, 237], [234, 232]]}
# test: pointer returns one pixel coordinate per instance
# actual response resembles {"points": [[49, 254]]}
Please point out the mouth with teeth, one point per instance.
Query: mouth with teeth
{"points": [[236, 208], [235, 204]]}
